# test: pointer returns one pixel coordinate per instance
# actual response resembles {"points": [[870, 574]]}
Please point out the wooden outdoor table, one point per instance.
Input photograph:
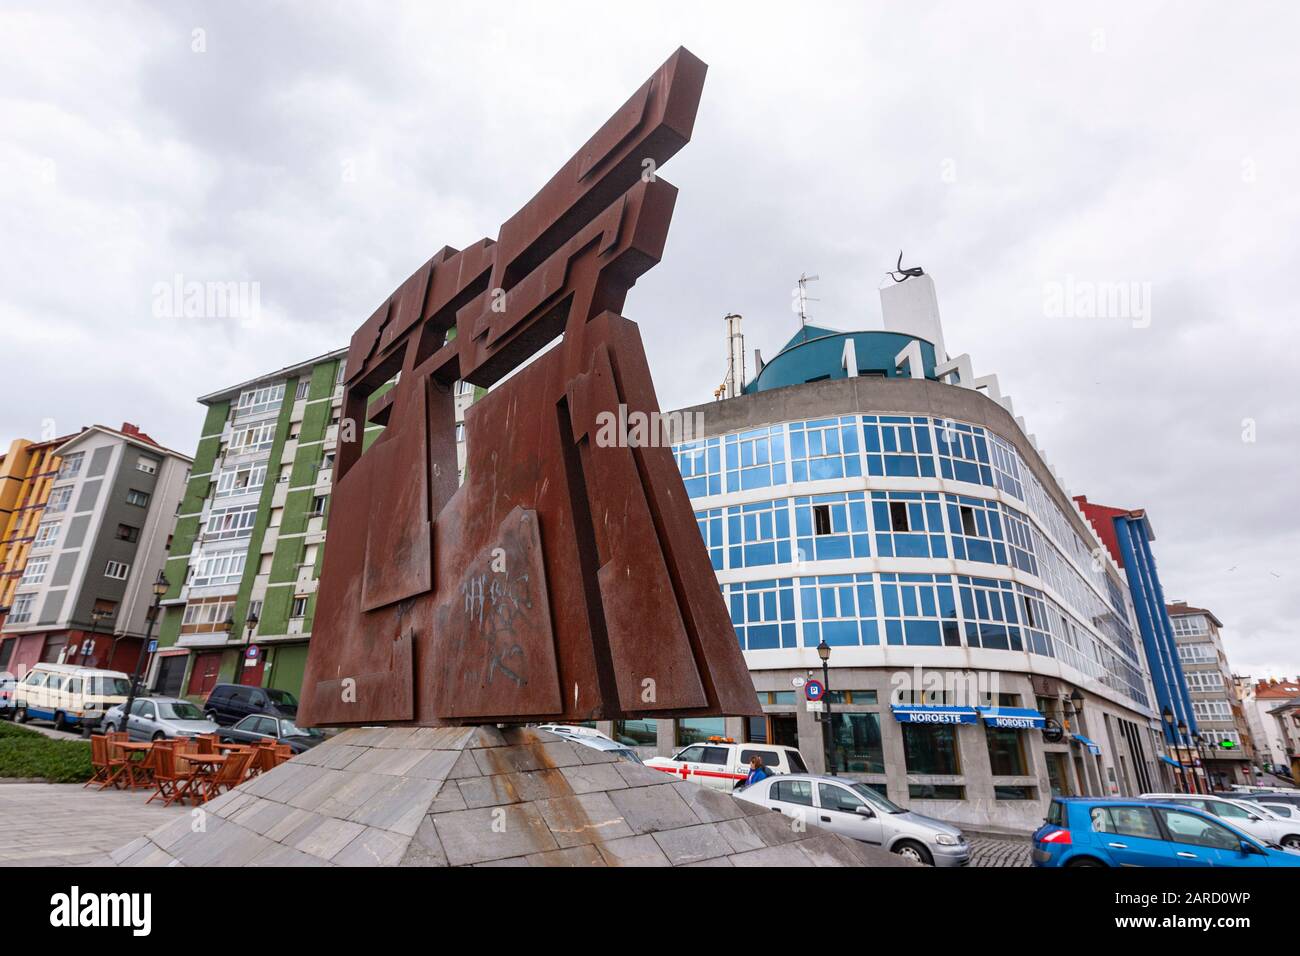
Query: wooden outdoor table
{"points": [[130, 748]]}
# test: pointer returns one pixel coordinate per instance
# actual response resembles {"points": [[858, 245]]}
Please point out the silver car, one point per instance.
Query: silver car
{"points": [[863, 813], [153, 718]]}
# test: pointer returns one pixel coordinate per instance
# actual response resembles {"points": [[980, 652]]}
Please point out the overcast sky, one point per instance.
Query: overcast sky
{"points": [[323, 151]]}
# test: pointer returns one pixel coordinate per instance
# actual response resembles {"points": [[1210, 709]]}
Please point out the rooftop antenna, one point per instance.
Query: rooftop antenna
{"points": [[804, 298]]}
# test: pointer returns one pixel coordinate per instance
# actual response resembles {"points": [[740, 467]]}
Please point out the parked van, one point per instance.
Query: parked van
{"points": [[70, 696], [721, 764]]}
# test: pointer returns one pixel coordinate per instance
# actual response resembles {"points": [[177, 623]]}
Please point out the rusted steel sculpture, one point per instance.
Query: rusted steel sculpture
{"points": [[566, 579]]}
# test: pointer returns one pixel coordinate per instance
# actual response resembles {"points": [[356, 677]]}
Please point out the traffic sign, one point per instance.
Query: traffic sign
{"points": [[816, 706], [814, 690], [153, 646], [251, 654]]}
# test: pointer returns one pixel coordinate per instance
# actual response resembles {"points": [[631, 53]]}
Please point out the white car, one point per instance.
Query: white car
{"points": [[1249, 817], [861, 813], [720, 763], [574, 730]]}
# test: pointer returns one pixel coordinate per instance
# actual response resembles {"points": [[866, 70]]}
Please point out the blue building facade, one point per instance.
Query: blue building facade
{"points": [[1128, 536], [854, 496]]}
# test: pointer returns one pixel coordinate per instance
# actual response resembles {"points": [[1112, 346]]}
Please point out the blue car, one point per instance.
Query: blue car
{"points": [[1092, 831]]}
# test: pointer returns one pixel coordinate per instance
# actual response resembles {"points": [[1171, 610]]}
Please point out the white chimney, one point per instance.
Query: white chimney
{"points": [[735, 380], [912, 308]]}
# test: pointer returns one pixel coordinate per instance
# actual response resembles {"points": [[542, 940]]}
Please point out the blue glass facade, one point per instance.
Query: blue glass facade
{"points": [[782, 540], [1133, 534]]}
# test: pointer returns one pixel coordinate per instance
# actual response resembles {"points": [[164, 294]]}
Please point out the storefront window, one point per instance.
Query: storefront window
{"points": [[756, 729], [637, 733], [931, 749], [693, 730], [1006, 752], [926, 791], [856, 739], [1015, 793]]}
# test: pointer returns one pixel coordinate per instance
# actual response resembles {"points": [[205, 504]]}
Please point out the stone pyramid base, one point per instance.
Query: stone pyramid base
{"points": [[478, 796]]}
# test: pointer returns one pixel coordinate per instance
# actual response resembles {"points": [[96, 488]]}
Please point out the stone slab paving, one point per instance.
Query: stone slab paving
{"points": [[479, 796], [63, 824]]}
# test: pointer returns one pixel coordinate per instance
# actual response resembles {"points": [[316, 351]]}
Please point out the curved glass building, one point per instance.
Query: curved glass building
{"points": [[865, 494]]}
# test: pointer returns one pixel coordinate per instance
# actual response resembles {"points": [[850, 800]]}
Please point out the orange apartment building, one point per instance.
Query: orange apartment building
{"points": [[27, 470]]}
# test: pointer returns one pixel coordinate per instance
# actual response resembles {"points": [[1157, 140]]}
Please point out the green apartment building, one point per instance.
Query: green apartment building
{"points": [[249, 540]]}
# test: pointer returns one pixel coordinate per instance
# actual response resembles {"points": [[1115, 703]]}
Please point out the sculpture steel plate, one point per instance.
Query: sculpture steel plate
{"points": [[566, 579]]}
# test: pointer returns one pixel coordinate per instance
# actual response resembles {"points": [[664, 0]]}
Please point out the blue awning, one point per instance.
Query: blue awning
{"points": [[1092, 747], [907, 714], [1171, 761], [1012, 718]]}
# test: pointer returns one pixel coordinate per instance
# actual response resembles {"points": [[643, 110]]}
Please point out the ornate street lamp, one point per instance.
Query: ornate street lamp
{"points": [[250, 625], [824, 652], [151, 616]]}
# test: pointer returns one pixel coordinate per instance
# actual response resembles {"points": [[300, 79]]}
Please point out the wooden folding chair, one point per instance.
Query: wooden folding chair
{"points": [[263, 758], [229, 774], [206, 743], [172, 782], [283, 752], [106, 769]]}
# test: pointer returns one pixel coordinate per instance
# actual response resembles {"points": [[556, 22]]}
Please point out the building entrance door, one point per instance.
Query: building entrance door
{"points": [[1058, 776], [783, 730]]}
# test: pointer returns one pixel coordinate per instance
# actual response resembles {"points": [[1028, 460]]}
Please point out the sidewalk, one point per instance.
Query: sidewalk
{"points": [[62, 824]]}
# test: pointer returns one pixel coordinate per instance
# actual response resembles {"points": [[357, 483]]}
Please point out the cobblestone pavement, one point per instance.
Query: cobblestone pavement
{"points": [[992, 851]]}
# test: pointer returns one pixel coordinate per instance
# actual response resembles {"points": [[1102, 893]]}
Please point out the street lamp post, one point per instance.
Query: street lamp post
{"points": [[159, 589], [1200, 755], [1186, 744], [824, 652], [250, 624], [88, 645], [1168, 716]]}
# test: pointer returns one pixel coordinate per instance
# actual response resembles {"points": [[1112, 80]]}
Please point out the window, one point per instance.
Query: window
{"points": [[223, 567], [1190, 625], [254, 401], [342, 371], [837, 798], [637, 733], [34, 573], [930, 749], [230, 523], [58, 500], [968, 521], [798, 792], [299, 607], [116, 569], [71, 466], [241, 480], [696, 729], [303, 386], [138, 498], [1126, 821], [45, 534], [209, 612], [147, 465], [253, 438], [715, 756], [126, 532], [1212, 710], [1192, 830], [821, 519], [254, 609], [1006, 752], [318, 506], [21, 612], [460, 431], [898, 516], [856, 746]]}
